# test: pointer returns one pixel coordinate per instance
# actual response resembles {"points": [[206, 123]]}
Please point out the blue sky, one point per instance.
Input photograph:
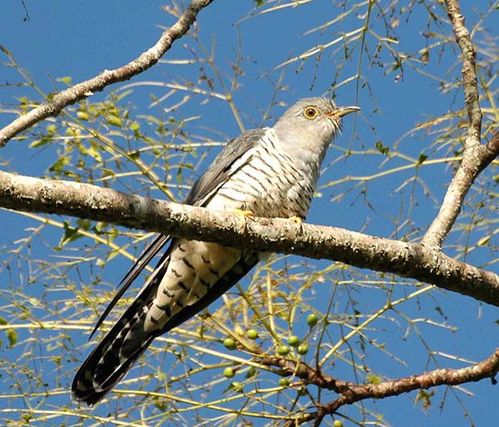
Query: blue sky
{"points": [[86, 37]]}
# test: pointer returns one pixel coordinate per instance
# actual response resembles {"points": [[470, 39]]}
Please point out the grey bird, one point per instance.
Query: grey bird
{"points": [[270, 172]]}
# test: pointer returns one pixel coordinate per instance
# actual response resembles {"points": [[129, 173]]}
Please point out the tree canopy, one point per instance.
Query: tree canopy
{"points": [[381, 307]]}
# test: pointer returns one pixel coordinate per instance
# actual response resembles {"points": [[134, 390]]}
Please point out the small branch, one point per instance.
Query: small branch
{"points": [[264, 234], [87, 88], [352, 393], [476, 157], [470, 84], [475, 160]]}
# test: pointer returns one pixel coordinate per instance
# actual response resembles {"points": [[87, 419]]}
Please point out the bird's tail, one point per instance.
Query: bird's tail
{"points": [[116, 353]]}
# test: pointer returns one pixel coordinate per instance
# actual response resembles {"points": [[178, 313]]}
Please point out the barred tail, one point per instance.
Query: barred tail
{"points": [[114, 355]]}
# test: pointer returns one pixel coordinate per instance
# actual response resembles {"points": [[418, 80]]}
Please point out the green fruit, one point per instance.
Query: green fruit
{"points": [[302, 349], [230, 344], [251, 372], [252, 334], [312, 320], [229, 372], [338, 423], [283, 350], [294, 341], [82, 115]]}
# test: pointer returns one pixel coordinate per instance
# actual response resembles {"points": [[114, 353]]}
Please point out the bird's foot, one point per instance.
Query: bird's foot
{"points": [[296, 219], [244, 215]]}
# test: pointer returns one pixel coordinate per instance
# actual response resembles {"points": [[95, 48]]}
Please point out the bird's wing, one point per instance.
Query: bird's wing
{"points": [[222, 168], [125, 342]]}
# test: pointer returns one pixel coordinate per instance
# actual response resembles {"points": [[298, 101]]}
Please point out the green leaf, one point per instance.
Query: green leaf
{"points": [[67, 80], [114, 120], [12, 337], [373, 379], [383, 149], [70, 234], [421, 159]]}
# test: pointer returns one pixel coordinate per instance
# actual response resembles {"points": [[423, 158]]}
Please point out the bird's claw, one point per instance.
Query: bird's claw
{"points": [[296, 219], [244, 215]]}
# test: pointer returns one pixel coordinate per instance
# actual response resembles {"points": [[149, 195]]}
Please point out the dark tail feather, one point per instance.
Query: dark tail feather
{"points": [[116, 353]]}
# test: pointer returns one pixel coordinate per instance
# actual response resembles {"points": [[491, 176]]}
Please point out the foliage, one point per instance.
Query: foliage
{"points": [[359, 326]]}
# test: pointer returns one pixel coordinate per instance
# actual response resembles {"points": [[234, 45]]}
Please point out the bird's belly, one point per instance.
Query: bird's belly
{"points": [[193, 268]]}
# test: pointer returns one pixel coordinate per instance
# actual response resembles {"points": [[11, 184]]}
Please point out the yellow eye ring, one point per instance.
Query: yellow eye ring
{"points": [[310, 112]]}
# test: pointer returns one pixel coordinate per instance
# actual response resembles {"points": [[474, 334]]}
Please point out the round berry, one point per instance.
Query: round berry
{"points": [[229, 344], [312, 320], [251, 372], [283, 350], [229, 372], [252, 334]]}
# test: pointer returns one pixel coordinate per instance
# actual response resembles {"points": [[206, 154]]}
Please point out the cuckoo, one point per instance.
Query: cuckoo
{"points": [[270, 172]]}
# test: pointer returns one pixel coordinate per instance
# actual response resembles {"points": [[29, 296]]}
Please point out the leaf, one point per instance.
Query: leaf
{"points": [[70, 234], [383, 149], [421, 159], [67, 80], [114, 120], [373, 379], [12, 337]]}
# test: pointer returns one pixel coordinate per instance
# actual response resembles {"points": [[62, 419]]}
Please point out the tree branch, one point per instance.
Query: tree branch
{"points": [[85, 89], [351, 392], [264, 234], [476, 156]]}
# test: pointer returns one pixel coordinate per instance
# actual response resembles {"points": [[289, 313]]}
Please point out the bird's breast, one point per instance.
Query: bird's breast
{"points": [[270, 184]]}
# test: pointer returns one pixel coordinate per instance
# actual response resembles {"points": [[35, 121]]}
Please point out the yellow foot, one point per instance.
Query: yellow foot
{"points": [[245, 214], [296, 220]]}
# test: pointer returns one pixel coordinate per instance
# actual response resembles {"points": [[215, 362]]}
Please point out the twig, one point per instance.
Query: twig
{"points": [[87, 88], [476, 156], [351, 392], [264, 234]]}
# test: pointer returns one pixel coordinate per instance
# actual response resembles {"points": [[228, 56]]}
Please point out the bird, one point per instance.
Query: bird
{"points": [[267, 172]]}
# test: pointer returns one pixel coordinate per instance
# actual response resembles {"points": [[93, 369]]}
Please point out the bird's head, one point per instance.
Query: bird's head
{"points": [[312, 122]]}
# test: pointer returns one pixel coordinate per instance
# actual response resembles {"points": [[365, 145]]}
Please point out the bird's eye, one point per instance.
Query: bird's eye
{"points": [[310, 112]]}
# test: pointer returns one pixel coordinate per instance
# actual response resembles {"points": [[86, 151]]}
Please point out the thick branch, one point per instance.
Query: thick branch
{"points": [[272, 235], [85, 89], [351, 392], [476, 157]]}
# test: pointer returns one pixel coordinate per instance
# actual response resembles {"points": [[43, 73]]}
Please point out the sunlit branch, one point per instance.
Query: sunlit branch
{"points": [[351, 392], [476, 156], [147, 59], [264, 234]]}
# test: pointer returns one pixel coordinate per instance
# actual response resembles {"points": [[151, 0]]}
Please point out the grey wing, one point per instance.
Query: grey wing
{"points": [[203, 189], [222, 167]]}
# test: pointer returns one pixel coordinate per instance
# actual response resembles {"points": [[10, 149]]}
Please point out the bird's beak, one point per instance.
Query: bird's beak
{"points": [[343, 111]]}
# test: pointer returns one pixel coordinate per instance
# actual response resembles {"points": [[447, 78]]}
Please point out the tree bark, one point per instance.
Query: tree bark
{"points": [[412, 260]]}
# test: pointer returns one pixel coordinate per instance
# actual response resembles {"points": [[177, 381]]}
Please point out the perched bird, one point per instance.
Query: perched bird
{"points": [[270, 172]]}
